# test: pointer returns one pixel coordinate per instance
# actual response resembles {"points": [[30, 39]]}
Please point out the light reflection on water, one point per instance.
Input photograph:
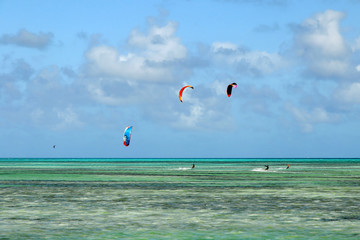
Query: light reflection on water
{"points": [[168, 201]]}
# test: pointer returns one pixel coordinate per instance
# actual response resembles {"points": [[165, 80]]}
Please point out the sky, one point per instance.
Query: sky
{"points": [[75, 74]]}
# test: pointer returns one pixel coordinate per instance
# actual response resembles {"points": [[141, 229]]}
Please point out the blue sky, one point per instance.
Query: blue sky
{"points": [[76, 73]]}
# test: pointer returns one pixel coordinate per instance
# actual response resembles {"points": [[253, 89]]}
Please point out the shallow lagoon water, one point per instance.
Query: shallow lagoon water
{"points": [[166, 199]]}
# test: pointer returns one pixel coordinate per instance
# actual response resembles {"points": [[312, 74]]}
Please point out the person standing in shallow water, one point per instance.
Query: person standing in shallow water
{"points": [[193, 166], [288, 166], [266, 167]]}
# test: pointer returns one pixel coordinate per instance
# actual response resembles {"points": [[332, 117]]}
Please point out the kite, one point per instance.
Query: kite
{"points": [[229, 88], [127, 135], [181, 91]]}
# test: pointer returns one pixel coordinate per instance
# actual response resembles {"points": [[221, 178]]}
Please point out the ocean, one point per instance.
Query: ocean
{"points": [[168, 199]]}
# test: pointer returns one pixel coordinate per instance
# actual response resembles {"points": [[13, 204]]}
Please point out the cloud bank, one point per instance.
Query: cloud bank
{"points": [[145, 73], [24, 38]]}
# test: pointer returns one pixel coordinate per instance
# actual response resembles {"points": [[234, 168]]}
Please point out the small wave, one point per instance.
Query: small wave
{"points": [[259, 170], [183, 168]]}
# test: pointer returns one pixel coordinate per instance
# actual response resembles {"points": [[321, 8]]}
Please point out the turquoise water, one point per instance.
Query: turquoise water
{"points": [[166, 199]]}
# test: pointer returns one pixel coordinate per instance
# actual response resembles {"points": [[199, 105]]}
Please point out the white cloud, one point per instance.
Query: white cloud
{"points": [[356, 44], [41, 99], [109, 92], [358, 68], [330, 67], [319, 42], [203, 115], [68, 118], [217, 47], [219, 87], [106, 61], [307, 119], [99, 95], [160, 44], [349, 93], [255, 63], [154, 57], [192, 119], [322, 32]]}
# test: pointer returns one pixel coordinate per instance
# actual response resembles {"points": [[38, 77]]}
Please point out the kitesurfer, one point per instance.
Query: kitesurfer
{"points": [[266, 167], [193, 166], [288, 166]]}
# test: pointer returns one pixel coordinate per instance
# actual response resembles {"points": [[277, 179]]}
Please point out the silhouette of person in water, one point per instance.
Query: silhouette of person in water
{"points": [[288, 166], [266, 167], [193, 166]]}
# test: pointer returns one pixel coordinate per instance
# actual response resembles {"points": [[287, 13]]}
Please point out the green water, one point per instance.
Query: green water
{"points": [[166, 199]]}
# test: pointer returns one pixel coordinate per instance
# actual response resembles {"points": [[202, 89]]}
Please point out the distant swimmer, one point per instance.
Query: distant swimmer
{"points": [[288, 166], [266, 167], [193, 166], [54, 146]]}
